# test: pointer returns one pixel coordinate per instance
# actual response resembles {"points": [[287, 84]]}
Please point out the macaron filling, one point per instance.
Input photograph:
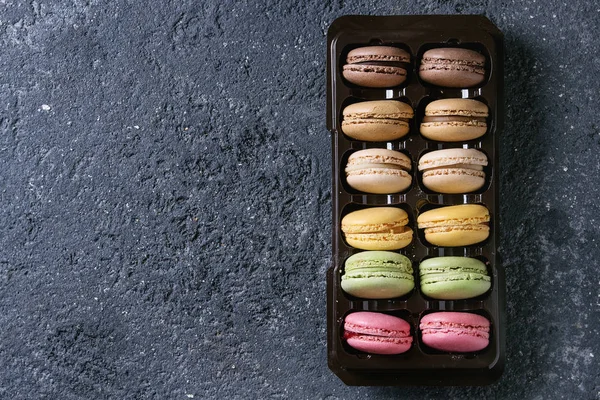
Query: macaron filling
{"points": [[456, 329], [450, 228], [357, 168], [453, 222], [395, 64], [370, 118], [369, 58], [473, 66], [454, 276], [453, 118]]}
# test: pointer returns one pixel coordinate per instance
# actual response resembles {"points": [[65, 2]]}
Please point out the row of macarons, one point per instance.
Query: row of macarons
{"points": [[446, 331], [447, 171], [444, 120], [386, 275], [388, 66], [386, 228]]}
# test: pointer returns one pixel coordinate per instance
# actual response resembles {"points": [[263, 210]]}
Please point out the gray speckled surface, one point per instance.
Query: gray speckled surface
{"points": [[165, 186]]}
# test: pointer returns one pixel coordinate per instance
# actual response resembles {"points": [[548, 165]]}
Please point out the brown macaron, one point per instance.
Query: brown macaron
{"points": [[376, 66], [452, 67], [377, 121], [453, 170], [454, 120]]}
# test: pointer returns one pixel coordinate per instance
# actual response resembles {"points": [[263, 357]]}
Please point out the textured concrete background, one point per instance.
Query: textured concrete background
{"points": [[165, 186]]}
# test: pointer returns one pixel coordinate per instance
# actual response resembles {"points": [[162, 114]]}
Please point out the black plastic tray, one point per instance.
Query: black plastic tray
{"points": [[416, 34]]}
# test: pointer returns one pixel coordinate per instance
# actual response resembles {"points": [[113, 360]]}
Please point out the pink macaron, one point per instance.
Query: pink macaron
{"points": [[455, 332], [377, 333]]}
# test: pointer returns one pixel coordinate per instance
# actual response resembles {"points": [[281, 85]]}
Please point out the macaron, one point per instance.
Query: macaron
{"points": [[377, 121], [378, 275], [451, 226], [453, 170], [376, 66], [453, 278], [378, 171], [455, 332], [452, 67], [377, 333], [377, 228], [454, 120]]}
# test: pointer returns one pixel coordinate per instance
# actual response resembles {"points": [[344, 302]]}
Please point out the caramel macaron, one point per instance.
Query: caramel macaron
{"points": [[376, 66], [454, 120], [452, 226], [453, 171], [377, 121], [377, 228], [379, 171]]}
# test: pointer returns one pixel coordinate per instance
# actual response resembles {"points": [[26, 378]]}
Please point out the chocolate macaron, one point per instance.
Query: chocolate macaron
{"points": [[453, 170], [454, 120], [452, 67], [376, 66], [377, 121], [378, 171]]}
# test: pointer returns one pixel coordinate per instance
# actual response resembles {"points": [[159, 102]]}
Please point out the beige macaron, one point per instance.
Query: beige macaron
{"points": [[454, 120], [451, 226], [377, 121], [377, 228], [378, 171], [453, 170]]}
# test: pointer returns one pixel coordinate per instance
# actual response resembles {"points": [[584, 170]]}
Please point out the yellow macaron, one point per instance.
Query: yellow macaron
{"points": [[377, 228], [450, 226]]}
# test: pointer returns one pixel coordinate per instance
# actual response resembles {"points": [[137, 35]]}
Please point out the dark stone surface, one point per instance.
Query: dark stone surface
{"points": [[165, 186]]}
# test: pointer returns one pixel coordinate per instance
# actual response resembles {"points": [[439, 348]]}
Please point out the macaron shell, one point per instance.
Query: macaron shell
{"points": [[453, 180], [437, 264], [452, 131], [454, 342], [374, 76], [377, 53], [375, 130], [380, 241], [441, 76], [460, 332], [374, 323], [378, 109], [458, 107], [379, 287], [377, 345], [374, 220], [380, 181], [457, 236], [464, 286]]}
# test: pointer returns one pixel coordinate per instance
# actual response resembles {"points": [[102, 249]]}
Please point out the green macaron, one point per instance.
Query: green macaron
{"points": [[453, 278], [378, 275]]}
